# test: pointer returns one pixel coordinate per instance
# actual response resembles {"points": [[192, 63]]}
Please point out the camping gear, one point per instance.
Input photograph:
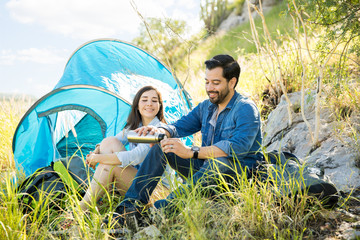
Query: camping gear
{"points": [[49, 185], [92, 101], [291, 176], [134, 137]]}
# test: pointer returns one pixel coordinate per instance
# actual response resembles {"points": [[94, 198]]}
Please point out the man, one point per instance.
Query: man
{"points": [[231, 139]]}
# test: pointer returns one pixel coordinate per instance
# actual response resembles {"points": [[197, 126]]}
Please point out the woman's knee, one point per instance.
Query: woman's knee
{"points": [[111, 145]]}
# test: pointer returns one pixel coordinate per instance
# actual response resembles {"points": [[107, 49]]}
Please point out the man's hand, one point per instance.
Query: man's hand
{"points": [[176, 146], [145, 130], [91, 160]]}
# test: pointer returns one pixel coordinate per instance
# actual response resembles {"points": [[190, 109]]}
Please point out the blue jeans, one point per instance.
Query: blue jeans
{"points": [[203, 171]]}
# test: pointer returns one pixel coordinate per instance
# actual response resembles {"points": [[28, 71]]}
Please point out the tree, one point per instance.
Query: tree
{"points": [[161, 37], [213, 12], [340, 18]]}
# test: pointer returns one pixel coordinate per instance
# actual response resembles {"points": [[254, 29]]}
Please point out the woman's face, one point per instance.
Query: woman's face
{"points": [[149, 105]]}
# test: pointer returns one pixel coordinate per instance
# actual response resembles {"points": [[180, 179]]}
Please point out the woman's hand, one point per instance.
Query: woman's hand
{"points": [[91, 160], [97, 149], [175, 145]]}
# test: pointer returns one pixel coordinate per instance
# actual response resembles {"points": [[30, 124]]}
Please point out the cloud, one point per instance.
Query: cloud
{"points": [[80, 19], [42, 56], [88, 19]]}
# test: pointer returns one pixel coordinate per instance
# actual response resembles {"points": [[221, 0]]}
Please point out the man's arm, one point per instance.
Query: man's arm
{"points": [[176, 146]]}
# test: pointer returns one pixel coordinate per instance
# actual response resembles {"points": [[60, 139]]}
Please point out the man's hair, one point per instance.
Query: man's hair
{"points": [[231, 68]]}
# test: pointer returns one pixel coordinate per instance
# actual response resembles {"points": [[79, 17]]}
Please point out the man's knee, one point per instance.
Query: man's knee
{"points": [[111, 145]]}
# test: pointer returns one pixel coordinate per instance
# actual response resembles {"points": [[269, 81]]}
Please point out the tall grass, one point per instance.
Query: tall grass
{"points": [[250, 209], [11, 111]]}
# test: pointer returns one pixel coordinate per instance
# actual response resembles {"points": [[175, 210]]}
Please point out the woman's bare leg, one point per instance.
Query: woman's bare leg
{"points": [[105, 175]]}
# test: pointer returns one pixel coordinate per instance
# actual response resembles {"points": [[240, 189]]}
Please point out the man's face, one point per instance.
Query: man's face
{"points": [[217, 87]]}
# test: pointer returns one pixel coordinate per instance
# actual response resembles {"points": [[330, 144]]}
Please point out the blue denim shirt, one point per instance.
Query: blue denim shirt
{"points": [[237, 131]]}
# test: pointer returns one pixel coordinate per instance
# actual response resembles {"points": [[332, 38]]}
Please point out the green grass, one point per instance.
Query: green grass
{"points": [[251, 210], [247, 209], [239, 39]]}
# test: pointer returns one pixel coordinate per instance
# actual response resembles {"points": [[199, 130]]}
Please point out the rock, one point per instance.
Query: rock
{"points": [[150, 232], [234, 20], [333, 154]]}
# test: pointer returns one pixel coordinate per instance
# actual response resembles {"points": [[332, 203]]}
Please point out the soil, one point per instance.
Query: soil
{"points": [[342, 222]]}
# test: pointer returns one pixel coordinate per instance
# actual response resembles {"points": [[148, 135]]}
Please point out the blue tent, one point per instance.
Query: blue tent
{"points": [[91, 101]]}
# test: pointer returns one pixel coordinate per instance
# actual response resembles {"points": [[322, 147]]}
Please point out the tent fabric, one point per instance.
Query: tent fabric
{"points": [[91, 101]]}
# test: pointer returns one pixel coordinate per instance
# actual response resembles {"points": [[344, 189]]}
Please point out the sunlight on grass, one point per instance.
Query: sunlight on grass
{"points": [[11, 111], [257, 208]]}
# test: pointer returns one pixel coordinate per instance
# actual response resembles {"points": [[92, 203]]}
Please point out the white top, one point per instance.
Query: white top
{"points": [[137, 151]]}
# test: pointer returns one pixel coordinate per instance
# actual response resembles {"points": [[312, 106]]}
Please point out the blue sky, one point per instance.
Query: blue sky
{"points": [[38, 36]]}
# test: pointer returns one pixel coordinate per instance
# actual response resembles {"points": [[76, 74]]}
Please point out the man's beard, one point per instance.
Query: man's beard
{"points": [[220, 96]]}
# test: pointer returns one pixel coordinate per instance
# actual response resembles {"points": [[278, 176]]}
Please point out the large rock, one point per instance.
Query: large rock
{"points": [[234, 20], [335, 154]]}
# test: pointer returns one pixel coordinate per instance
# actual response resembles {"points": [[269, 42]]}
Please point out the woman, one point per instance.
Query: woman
{"points": [[115, 164]]}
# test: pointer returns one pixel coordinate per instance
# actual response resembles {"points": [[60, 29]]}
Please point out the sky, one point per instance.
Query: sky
{"points": [[39, 36]]}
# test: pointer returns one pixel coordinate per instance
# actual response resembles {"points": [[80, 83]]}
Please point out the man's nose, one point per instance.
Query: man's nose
{"points": [[209, 87]]}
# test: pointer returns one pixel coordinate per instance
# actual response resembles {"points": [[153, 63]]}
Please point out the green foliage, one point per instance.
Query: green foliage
{"points": [[238, 5], [233, 41], [161, 37], [213, 12], [340, 19]]}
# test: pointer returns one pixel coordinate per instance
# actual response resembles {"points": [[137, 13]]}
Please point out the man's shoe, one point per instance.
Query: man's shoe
{"points": [[127, 214]]}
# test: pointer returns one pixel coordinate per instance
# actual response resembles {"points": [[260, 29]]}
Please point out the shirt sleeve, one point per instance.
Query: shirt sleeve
{"points": [[134, 156], [122, 136], [242, 137], [186, 125]]}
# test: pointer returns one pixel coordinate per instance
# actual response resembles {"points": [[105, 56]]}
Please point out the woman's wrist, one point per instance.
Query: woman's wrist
{"points": [[97, 158]]}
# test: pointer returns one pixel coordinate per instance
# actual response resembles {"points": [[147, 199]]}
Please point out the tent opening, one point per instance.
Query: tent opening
{"points": [[88, 134], [75, 131]]}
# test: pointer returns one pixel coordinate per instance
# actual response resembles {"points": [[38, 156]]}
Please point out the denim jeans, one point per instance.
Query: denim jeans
{"points": [[196, 170]]}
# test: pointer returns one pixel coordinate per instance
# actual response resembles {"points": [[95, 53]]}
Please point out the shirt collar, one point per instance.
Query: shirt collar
{"points": [[152, 123]]}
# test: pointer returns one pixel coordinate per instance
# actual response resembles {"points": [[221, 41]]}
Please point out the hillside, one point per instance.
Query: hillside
{"points": [[336, 150]]}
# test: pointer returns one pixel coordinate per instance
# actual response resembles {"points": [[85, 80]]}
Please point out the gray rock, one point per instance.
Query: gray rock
{"points": [[335, 155], [234, 20], [150, 232]]}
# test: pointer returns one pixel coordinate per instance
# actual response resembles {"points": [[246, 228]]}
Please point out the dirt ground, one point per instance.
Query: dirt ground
{"points": [[342, 222]]}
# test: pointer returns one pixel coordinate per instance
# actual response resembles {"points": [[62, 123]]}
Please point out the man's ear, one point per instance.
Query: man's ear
{"points": [[232, 82]]}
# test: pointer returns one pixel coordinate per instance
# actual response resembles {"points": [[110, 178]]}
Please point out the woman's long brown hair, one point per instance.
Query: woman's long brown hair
{"points": [[134, 118]]}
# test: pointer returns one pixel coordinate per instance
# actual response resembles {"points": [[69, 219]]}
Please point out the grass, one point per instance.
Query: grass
{"points": [[11, 111], [252, 209], [248, 209], [239, 40]]}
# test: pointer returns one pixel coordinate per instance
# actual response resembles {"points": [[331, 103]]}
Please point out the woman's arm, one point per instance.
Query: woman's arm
{"points": [[109, 159], [123, 158]]}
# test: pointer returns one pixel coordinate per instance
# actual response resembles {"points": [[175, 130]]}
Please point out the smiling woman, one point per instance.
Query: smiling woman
{"points": [[116, 165]]}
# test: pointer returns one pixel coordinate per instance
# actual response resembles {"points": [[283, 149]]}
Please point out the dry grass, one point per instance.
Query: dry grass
{"points": [[11, 111]]}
